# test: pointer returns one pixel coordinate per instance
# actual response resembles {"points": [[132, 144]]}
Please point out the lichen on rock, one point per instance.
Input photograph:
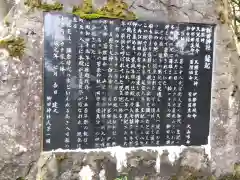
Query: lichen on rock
{"points": [[116, 9], [32, 4], [15, 46]]}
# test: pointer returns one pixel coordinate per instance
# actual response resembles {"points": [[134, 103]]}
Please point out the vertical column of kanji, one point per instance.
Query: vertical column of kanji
{"points": [[56, 85], [167, 85], [117, 133], [176, 79], [136, 64], [192, 97], [144, 88], [72, 50], [92, 89], [67, 26], [157, 76], [142, 81], [207, 70], [186, 51], [146, 81], [151, 68], [104, 83], [128, 89], [98, 64], [80, 97], [83, 76], [111, 139], [130, 59], [134, 82], [48, 123], [101, 94], [124, 85], [140, 90]]}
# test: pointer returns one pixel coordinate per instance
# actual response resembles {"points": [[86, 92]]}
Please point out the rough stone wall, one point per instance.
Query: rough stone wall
{"points": [[21, 94], [5, 7]]}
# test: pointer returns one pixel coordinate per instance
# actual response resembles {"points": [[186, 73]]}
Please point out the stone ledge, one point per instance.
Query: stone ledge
{"points": [[136, 163]]}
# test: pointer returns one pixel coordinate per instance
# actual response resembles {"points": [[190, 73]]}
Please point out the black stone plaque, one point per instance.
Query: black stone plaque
{"points": [[125, 83]]}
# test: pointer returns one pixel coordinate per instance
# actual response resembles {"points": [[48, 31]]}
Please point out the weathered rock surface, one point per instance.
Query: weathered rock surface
{"points": [[21, 94]]}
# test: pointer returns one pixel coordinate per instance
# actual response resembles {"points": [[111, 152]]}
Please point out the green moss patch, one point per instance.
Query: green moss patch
{"points": [[114, 9], [43, 6], [15, 46]]}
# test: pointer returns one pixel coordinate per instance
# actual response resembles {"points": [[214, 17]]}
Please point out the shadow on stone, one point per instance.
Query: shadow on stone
{"points": [[69, 164], [110, 169], [101, 161], [140, 163], [166, 167]]}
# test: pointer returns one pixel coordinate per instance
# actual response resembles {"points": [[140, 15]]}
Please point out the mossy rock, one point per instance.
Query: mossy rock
{"points": [[32, 4], [114, 9], [61, 157], [6, 23], [15, 46], [20, 178], [117, 9]]}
